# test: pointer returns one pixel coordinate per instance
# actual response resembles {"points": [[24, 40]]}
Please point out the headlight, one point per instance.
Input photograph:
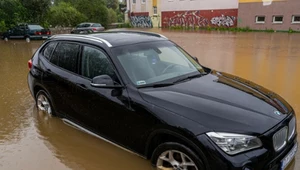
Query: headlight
{"points": [[234, 143]]}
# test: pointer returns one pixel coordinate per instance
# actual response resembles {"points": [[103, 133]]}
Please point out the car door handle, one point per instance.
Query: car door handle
{"points": [[82, 86]]}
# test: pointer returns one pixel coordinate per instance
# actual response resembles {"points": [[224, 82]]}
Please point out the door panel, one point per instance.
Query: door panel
{"points": [[61, 76]]}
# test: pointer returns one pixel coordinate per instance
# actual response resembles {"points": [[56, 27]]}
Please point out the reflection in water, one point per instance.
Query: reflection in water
{"points": [[32, 140]]}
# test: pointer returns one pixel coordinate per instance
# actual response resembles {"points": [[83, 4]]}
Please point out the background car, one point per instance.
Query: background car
{"points": [[83, 27], [27, 31]]}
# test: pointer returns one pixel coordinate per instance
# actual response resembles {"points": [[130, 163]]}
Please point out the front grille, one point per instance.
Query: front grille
{"points": [[280, 138], [292, 128]]}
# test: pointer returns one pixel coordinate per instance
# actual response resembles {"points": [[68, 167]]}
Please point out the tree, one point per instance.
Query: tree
{"points": [[112, 16], [112, 4], [37, 9], [64, 14], [94, 10], [11, 13]]}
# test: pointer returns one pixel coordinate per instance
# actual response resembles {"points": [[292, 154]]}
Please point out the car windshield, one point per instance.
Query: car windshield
{"points": [[155, 62], [35, 27], [96, 25]]}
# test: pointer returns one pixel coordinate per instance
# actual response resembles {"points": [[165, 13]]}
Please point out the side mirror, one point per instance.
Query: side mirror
{"points": [[195, 58], [104, 81]]}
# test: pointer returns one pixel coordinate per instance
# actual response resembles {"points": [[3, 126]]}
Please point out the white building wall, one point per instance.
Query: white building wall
{"points": [[138, 6], [180, 5]]}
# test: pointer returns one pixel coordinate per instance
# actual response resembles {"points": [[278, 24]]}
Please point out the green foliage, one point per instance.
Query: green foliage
{"points": [[64, 14], [291, 30], [112, 16], [120, 16], [36, 9], [114, 4], [12, 12], [2, 26], [125, 25]]}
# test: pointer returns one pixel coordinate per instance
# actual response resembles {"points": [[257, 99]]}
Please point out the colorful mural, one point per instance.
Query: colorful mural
{"points": [[203, 18], [141, 19]]}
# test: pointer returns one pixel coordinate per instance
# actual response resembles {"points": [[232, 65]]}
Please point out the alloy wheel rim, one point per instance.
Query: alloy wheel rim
{"points": [[5, 39], [27, 39], [44, 104], [175, 160]]}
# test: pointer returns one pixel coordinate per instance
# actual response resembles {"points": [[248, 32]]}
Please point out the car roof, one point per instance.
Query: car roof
{"points": [[113, 38]]}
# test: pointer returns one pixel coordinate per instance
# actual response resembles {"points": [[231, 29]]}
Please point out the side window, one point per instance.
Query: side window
{"points": [[65, 55], [49, 49], [95, 63]]}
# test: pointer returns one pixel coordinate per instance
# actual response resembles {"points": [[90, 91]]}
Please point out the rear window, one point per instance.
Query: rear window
{"points": [[35, 27], [83, 25], [65, 56], [49, 49], [96, 25]]}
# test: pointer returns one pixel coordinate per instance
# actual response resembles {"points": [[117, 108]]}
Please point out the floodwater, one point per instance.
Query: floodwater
{"points": [[32, 141]]}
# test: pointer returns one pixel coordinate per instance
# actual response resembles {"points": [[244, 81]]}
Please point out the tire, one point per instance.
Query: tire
{"points": [[161, 155], [44, 103], [5, 38], [27, 39]]}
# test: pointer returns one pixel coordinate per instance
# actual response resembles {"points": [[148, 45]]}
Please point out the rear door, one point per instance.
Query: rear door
{"points": [[61, 76]]}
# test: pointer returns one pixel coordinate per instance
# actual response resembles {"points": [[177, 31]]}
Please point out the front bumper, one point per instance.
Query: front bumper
{"points": [[258, 159]]}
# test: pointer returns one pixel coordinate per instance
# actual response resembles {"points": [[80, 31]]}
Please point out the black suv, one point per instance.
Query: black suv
{"points": [[144, 93], [27, 31]]}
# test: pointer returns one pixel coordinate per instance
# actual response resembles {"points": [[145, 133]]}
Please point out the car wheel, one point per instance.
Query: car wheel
{"points": [[5, 39], [175, 156], [44, 103], [27, 39]]}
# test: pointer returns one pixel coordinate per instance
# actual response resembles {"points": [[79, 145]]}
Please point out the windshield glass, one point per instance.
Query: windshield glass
{"points": [[155, 62], [35, 27]]}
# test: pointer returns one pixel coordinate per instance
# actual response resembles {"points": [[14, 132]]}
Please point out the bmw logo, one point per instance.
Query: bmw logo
{"points": [[277, 112]]}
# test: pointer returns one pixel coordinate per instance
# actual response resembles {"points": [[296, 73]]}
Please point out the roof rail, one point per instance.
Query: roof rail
{"points": [[135, 32], [85, 36]]}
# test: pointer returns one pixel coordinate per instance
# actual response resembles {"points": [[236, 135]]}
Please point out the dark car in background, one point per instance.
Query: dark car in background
{"points": [[87, 27], [142, 92], [27, 31]]}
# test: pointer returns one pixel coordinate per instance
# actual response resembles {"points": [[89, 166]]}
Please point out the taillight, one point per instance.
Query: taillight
{"points": [[48, 33], [94, 29], [38, 33], [29, 64]]}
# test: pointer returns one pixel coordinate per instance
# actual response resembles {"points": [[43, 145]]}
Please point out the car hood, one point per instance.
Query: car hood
{"points": [[222, 102]]}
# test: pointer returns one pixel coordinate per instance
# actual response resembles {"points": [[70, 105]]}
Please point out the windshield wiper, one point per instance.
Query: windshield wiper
{"points": [[187, 78], [155, 85]]}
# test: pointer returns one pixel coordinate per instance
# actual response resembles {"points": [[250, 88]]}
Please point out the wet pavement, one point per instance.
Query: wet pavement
{"points": [[31, 140]]}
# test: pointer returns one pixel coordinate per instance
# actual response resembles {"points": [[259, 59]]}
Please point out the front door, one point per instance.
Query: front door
{"points": [[106, 111]]}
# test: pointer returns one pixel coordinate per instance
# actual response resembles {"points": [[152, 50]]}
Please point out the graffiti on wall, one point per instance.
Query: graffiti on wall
{"points": [[223, 20], [141, 21], [203, 18], [186, 19]]}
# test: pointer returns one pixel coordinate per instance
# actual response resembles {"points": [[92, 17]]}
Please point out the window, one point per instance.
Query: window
{"points": [[95, 63], [277, 19], [35, 27], [260, 19], [154, 62], [65, 55], [155, 10], [96, 25], [296, 19], [143, 1], [134, 1], [48, 50]]}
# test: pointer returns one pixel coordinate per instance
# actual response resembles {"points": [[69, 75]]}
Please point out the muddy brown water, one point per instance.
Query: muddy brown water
{"points": [[32, 141]]}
